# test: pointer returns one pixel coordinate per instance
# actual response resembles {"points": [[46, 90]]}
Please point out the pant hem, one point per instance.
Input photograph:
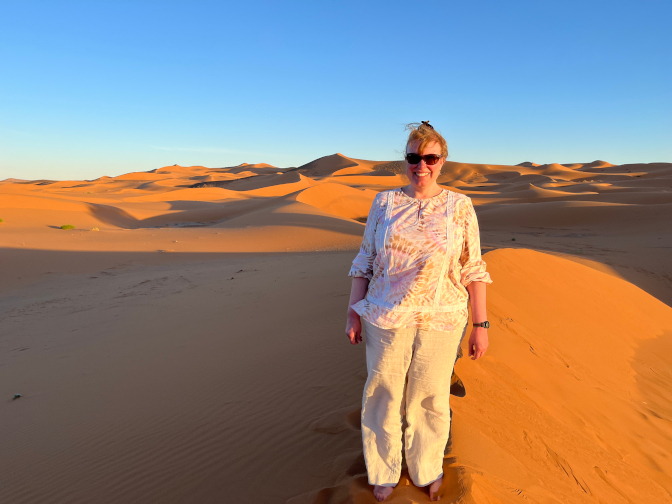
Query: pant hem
{"points": [[387, 484], [435, 479], [391, 485], [427, 484]]}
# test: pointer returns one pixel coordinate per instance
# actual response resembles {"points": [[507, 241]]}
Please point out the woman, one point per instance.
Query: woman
{"points": [[418, 267]]}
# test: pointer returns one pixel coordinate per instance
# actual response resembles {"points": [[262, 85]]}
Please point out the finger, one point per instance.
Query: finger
{"points": [[476, 353]]}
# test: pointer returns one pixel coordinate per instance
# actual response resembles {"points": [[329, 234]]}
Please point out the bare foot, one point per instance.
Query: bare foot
{"points": [[434, 489], [382, 492]]}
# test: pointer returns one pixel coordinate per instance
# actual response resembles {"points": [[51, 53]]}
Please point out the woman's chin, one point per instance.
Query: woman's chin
{"points": [[421, 181]]}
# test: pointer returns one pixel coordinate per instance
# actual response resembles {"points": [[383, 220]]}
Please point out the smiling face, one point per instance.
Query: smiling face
{"points": [[422, 175]]}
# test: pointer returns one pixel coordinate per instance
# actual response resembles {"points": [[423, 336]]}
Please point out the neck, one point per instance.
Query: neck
{"points": [[422, 192]]}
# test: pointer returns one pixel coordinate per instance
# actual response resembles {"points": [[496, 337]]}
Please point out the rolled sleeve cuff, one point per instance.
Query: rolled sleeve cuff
{"points": [[475, 273], [357, 272]]}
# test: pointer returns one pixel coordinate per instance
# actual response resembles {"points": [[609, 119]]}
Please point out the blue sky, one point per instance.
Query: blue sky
{"points": [[91, 88]]}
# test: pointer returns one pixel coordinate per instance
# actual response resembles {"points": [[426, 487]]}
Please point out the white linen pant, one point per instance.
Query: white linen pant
{"points": [[426, 358]]}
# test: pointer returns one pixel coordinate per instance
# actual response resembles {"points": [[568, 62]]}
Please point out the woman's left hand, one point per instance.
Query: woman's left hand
{"points": [[478, 342]]}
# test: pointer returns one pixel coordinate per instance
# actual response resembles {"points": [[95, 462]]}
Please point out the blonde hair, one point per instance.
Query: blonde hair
{"points": [[425, 133]]}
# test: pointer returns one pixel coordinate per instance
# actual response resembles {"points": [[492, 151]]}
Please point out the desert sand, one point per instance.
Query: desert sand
{"points": [[185, 341]]}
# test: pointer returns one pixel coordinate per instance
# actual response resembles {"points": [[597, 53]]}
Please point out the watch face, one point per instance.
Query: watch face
{"points": [[486, 324]]}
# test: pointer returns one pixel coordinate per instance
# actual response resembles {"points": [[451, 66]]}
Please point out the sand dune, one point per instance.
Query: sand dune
{"points": [[205, 194], [137, 176], [326, 166], [34, 202], [256, 168], [545, 420], [587, 196], [184, 342], [339, 200]]}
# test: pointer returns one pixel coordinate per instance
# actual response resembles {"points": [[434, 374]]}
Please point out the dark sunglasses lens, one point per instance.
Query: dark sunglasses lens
{"points": [[431, 159], [413, 158]]}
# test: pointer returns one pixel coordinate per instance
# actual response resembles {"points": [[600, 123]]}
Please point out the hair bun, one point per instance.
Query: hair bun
{"points": [[424, 133]]}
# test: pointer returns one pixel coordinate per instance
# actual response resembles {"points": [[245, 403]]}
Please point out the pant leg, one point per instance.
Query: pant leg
{"points": [[428, 402], [388, 355]]}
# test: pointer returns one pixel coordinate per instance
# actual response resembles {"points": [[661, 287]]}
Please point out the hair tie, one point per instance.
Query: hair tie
{"points": [[426, 123]]}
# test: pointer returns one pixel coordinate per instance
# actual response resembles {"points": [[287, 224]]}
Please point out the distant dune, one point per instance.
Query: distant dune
{"points": [[184, 342]]}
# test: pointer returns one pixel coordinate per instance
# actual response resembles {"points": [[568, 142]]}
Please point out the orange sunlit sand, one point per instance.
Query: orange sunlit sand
{"points": [[184, 342]]}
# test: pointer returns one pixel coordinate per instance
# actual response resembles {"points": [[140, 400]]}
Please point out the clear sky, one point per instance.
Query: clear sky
{"points": [[91, 88]]}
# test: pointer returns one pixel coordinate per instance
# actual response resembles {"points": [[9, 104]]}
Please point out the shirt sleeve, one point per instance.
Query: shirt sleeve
{"points": [[473, 267], [362, 266]]}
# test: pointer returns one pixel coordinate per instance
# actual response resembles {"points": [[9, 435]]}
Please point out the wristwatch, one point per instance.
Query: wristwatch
{"points": [[485, 324]]}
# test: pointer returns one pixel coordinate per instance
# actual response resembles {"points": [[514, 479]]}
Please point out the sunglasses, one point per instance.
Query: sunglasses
{"points": [[429, 159]]}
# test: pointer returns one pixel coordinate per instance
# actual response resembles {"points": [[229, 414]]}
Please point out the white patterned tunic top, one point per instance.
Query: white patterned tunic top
{"points": [[419, 256]]}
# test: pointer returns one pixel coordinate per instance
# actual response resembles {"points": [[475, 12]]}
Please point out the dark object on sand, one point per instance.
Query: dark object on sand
{"points": [[16, 396], [456, 386]]}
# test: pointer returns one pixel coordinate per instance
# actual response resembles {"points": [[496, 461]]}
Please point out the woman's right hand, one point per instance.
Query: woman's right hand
{"points": [[353, 328]]}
